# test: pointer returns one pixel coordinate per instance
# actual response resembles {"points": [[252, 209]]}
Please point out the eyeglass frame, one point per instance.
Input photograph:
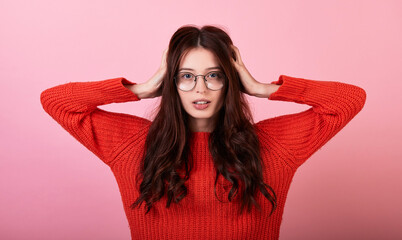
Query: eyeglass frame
{"points": [[195, 80]]}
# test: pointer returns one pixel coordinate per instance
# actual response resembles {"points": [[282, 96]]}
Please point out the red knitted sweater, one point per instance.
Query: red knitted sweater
{"points": [[286, 142]]}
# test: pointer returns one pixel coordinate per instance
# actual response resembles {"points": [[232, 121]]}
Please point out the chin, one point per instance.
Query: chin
{"points": [[204, 114], [201, 115]]}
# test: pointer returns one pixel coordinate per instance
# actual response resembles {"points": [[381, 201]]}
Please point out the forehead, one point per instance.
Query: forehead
{"points": [[199, 59]]}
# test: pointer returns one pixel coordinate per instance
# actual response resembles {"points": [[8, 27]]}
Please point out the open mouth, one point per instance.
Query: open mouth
{"points": [[201, 102], [200, 105]]}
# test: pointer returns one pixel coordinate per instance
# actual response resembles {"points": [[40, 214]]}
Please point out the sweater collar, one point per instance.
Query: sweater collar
{"points": [[200, 136]]}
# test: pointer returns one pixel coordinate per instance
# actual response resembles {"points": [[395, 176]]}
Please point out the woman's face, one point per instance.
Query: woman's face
{"points": [[200, 61]]}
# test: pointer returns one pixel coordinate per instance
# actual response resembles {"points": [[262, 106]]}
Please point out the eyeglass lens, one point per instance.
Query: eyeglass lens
{"points": [[186, 80]]}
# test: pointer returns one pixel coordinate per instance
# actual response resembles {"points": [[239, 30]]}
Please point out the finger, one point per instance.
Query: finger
{"points": [[164, 56], [237, 53], [238, 57], [234, 58], [233, 52], [234, 63]]}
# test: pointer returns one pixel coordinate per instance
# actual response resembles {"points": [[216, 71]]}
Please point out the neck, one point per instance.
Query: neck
{"points": [[202, 125]]}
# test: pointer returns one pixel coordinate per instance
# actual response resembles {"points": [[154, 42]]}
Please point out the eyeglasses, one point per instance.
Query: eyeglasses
{"points": [[186, 81]]}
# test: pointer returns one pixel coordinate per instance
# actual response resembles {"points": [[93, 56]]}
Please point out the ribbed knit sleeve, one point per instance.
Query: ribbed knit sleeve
{"points": [[334, 104], [74, 106]]}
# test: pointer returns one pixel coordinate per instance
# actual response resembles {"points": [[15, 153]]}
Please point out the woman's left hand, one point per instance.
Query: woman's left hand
{"points": [[251, 85]]}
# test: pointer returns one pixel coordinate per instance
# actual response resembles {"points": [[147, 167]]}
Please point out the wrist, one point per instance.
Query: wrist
{"points": [[264, 90], [140, 89]]}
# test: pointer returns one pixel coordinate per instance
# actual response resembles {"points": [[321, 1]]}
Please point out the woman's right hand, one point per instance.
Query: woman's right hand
{"points": [[152, 87]]}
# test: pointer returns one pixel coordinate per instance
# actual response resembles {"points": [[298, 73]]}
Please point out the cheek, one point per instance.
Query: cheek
{"points": [[183, 100]]}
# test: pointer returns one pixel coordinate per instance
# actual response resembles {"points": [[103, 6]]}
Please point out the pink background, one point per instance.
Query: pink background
{"points": [[52, 187]]}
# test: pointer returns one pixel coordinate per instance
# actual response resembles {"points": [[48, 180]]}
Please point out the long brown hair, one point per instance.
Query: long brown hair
{"points": [[234, 145]]}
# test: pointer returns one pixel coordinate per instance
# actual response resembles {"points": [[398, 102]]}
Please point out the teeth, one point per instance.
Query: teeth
{"points": [[201, 102]]}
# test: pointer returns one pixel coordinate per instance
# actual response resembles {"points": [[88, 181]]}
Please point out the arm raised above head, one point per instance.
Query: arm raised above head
{"points": [[334, 104], [74, 106]]}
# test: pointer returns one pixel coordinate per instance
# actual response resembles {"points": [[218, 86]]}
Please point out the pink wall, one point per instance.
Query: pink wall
{"points": [[53, 188]]}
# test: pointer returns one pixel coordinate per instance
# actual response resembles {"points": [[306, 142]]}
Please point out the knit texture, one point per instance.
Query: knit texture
{"points": [[286, 141]]}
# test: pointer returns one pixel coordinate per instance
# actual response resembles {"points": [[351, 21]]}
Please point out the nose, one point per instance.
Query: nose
{"points": [[200, 84]]}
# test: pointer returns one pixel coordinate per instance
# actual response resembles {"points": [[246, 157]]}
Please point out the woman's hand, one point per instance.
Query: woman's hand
{"points": [[152, 87], [251, 86], [155, 81], [249, 83]]}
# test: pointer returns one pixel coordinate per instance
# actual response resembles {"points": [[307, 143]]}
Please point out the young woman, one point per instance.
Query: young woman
{"points": [[202, 160]]}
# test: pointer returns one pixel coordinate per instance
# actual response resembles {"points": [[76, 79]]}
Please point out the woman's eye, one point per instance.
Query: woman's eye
{"points": [[218, 75], [186, 75], [212, 75]]}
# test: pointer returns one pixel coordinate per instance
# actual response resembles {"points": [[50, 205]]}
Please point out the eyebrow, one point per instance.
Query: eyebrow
{"points": [[194, 70]]}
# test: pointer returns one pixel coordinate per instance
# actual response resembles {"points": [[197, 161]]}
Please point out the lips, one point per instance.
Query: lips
{"points": [[202, 100], [200, 106]]}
